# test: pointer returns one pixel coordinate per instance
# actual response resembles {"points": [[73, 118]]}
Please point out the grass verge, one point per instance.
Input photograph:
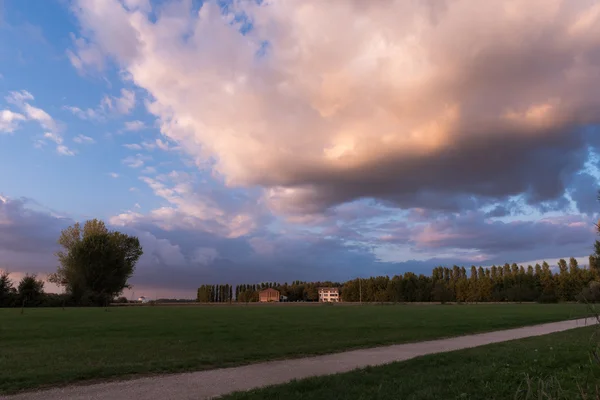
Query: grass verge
{"points": [[45, 347], [550, 367]]}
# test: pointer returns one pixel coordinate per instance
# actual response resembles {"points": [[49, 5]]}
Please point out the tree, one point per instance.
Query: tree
{"points": [[595, 258], [7, 291], [441, 293], [590, 294], [311, 293], [95, 263], [563, 281], [30, 290], [204, 294], [548, 294]]}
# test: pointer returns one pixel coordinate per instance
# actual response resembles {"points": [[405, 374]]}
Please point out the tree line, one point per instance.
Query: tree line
{"points": [[215, 294], [246, 293], [29, 291], [509, 282], [505, 283]]}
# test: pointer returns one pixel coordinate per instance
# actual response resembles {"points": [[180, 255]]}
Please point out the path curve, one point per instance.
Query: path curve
{"points": [[217, 382]]}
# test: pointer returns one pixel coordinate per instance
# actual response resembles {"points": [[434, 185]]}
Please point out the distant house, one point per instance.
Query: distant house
{"points": [[142, 299], [329, 294], [268, 295], [283, 298]]}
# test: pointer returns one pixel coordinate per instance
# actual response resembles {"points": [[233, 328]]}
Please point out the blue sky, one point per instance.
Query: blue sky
{"points": [[248, 141]]}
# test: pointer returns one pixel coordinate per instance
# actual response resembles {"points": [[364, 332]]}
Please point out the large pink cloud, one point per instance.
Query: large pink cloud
{"points": [[412, 102]]}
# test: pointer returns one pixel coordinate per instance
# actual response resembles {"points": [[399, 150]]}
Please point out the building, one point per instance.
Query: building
{"points": [[329, 294], [267, 295], [142, 299]]}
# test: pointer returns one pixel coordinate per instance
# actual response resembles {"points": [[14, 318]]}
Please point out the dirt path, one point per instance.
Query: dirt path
{"points": [[212, 383]]}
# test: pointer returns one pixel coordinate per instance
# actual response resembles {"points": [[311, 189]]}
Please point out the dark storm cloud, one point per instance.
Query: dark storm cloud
{"points": [[536, 238], [583, 190], [25, 230], [474, 172]]}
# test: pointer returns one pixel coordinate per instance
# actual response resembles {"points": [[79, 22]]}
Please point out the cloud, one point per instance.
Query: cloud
{"points": [[61, 149], [114, 105], [132, 146], [204, 255], [195, 207], [158, 144], [474, 235], [9, 121], [134, 125], [53, 137], [22, 100], [122, 105], [87, 114], [583, 191], [136, 161], [418, 104], [142, 5], [28, 236], [113, 175], [64, 150], [82, 139], [85, 56]]}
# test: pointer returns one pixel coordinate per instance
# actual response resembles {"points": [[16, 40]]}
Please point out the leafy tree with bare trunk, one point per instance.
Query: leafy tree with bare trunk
{"points": [[95, 263]]}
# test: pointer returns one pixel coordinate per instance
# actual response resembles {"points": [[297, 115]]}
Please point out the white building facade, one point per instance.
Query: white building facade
{"points": [[329, 295]]}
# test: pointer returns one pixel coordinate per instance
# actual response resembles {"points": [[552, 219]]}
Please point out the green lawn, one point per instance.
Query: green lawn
{"points": [[54, 346], [556, 367]]}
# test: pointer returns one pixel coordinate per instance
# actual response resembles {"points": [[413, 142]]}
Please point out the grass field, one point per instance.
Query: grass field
{"points": [[54, 346], [555, 365]]}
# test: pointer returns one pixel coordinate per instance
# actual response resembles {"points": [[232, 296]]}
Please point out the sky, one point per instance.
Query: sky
{"points": [[249, 141]]}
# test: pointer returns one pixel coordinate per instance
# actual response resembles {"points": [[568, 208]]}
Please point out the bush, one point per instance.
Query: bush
{"points": [[56, 300], [590, 294]]}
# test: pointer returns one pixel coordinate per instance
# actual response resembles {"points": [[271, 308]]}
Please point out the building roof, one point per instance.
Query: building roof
{"points": [[329, 288], [268, 290]]}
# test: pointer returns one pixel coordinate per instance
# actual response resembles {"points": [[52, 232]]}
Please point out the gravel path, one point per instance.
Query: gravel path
{"points": [[212, 383]]}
